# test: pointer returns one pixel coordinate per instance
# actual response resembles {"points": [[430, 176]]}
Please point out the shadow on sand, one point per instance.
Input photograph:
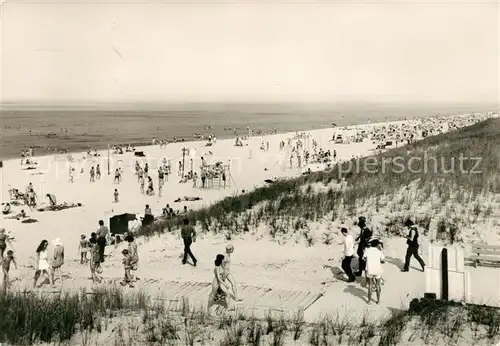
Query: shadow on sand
{"points": [[357, 292], [399, 263]]}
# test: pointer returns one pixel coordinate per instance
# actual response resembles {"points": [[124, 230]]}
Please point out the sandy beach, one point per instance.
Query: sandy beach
{"points": [[258, 260]]}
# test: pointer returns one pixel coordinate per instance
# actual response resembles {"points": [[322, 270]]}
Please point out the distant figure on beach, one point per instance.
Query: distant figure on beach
{"points": [[57, 260], [413, 246], [150, 191], [188, 235], [71, 177], [220, 287], [348, 254], [374, 259], [6, 209], [83, 247], [102, 235], [116, 196], [31, 195], [5, 262], [92, 174], [118, 176], [52, 200], [142, 183], [42, 264], [98, 171]]}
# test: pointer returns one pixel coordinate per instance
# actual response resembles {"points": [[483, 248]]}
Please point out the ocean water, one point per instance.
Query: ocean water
{"points": [[83, 129]]}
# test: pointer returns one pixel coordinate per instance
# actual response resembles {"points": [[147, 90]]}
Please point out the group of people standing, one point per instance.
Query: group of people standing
{"points": [[371, 257], [96, 245]]}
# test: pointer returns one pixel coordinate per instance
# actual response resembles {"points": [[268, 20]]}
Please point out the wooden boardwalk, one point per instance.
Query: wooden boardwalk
{"points": [[174, 293]]}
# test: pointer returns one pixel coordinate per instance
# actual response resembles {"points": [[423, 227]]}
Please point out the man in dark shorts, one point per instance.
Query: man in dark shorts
{"points": [[188, 236], [102, 233]]}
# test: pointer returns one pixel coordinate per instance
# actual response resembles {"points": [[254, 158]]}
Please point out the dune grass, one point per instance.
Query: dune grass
{"points": [[110, 316], [431, 168]]}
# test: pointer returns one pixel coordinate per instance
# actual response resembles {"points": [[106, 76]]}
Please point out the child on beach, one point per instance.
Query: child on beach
{"points": [[82, 249], [92, 174], [98, 172], [127, 265], [6, 267], [374, 259], [95, 261], [117, 196]]}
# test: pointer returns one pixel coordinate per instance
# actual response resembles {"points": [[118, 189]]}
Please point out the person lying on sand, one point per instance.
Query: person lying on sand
{"points": [[187, 199], [220, 287], [6, 209], [18, 216]]}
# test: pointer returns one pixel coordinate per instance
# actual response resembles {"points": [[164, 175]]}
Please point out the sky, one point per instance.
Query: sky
{"points": [[250, 52]]}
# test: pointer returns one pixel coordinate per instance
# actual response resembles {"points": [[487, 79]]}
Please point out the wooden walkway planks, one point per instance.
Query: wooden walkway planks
{"points": [[254, 297]]}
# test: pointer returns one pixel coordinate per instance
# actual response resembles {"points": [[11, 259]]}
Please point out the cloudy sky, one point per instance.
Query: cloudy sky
{"points": [[252, 52]]}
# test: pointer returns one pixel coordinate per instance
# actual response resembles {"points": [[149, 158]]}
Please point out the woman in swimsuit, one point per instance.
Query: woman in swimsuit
{"points": [[220, 287]]}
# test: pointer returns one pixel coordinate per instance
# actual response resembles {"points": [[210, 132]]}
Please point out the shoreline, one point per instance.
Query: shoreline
{"points": [[143, 145], [58, 141]]}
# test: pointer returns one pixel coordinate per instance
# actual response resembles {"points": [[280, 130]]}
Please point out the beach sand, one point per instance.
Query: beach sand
{"points": [[257, 260]]}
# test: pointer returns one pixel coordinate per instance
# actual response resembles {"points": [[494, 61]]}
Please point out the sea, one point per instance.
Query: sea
{"points": [[79, 128]]}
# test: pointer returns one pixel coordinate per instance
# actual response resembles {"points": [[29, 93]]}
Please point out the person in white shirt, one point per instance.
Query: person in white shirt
{"points": [[348, 254], [374, 259]]}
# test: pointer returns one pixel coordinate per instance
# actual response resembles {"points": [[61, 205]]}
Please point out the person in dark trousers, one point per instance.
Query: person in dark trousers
{"points": [[413, 245], [348, 254], [362, 240], [188, 236], [102, 234]]}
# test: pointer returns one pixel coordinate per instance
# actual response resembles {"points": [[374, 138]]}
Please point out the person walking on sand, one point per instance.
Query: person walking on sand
{"points": [[116, 196], [42, 265], [102, 234], [98, 171], [220, 287], [4, 240], [413, 246], [227, 271], [348, 254], [57, 260], [188, 235], [374, 259], [5, 262], [362, 240]]}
